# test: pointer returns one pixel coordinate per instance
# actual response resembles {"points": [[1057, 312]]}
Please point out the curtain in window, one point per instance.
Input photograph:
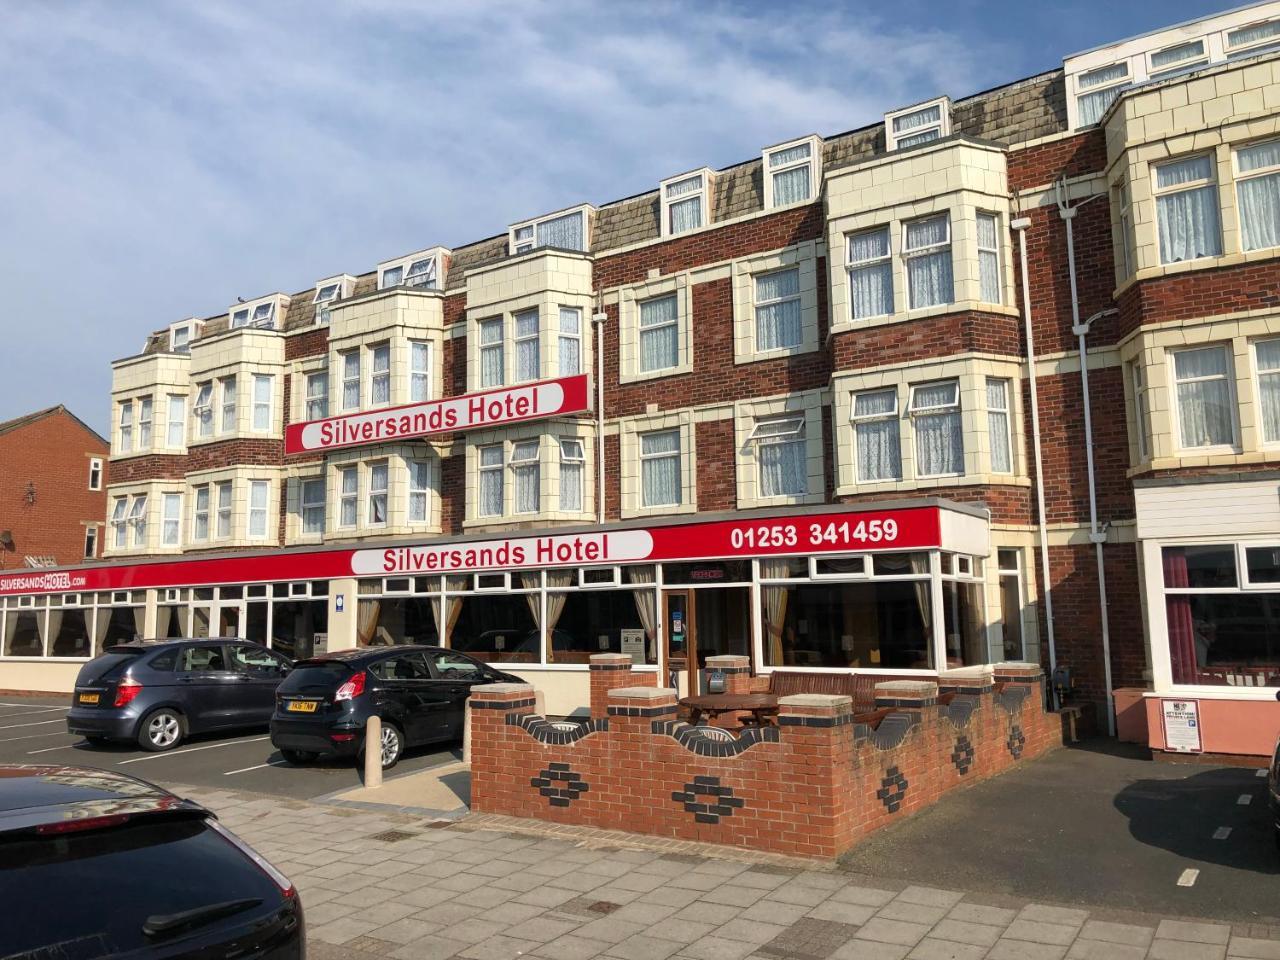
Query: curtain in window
{"points": [[659, 336], [646, 601], [1260, 196], [527, 345], [686, 214], [929, 274], [367, 621], [1204, 406], [564, 232], [380, 388], [491, 366], [527, 488], [101, 624], [1187, 220], [988, 258], [491, 481], [778, 324], [1182, 642], [570, 342], [556, 580], [870, 286], [1092, 106], [420, 377], [998, 425], [570, 483], [782, 468], [939, 444], [877, 441], [791, 186], [419, 476], [1269, 388], [351, 381], [51, 628], [660, 475], [774, 599]]}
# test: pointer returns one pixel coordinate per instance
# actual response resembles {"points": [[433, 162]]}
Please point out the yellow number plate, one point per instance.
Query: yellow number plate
{"points": [[88, 698], [301, 706]]}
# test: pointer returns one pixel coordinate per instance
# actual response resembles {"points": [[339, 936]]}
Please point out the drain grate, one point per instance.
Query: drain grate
{"points": [[393, 836]]}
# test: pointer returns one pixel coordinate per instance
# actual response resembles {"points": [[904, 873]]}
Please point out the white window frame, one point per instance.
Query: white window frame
{"points": [[138, 519], [491, 346], [871, 263], [261, 422], [329, 290], [176, 421], [348, 498], [223, 526], [227, 407], [146, 409], [171, 520], [381, 491], [350, 379], [813, 161], [677, 455], [794, 433], [1209, 183], [524, 340], [419, 371], [119, 522], [523, 237], [125, 428], [564, 337], [316, 403], [203, 412], [757, 303], [992, 253], [524, 466], [498, 468], [379, 352], [200, 517], [573, 452], [91, 542], [95, 473], [423, 270], [1085, 88], [1186, 62], [189, 330], [1240, 177], [1232, 402], [307, 505], [702, 193], [954, 408], [893, 416], [259, 513], [419, 494], [641, 329], [1006, 436], [940, 128], [910, 253], [1243, 49], [1259, 374], [1141, 407]]}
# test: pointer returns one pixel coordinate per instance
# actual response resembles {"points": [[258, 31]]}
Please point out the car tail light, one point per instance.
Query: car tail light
{"points": [[352, 688], [85, 823], [342, 737], [125, 693], [263, 864]]}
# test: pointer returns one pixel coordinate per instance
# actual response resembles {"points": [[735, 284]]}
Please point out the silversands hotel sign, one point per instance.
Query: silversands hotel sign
{"points": [[471, 411]]}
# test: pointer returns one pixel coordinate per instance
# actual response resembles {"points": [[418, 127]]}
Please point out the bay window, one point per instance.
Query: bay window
{"points": [[659, 333], [119, 525], [419, 488], [200, 514], [126, 426], [926, 246], [138, 520], [570, 341], [224, 508], [312, 497], [144, 423], [876, 436], [378, 494], [380, 375], [573, 461], [870, 274], [998, 424], [524, 475], [1258, 191], [1203, 394], [526, 341], [936, 423], [1187, 209], [781, 455], [491, 492], [228, 387], [350, 380], [349, 495], [261, 403], [176, 427], [777, 301], [259, 494], [660, 482], [171, 519], [989, 257], [419, 371], [203, 409], [317, 396], [492, 361]]}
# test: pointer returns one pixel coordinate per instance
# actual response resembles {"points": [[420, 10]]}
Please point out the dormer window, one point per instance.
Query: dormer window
{"points": [[1250, 39], [922, 123], [261, 313], [564, 229], [1098, 89], [181, 335], [335, 288], [1180, 56], [792, 172], [423, 270], [685, 204]]}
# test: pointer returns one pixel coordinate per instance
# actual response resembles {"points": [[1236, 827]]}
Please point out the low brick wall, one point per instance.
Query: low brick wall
{"points": [[811, 786]]}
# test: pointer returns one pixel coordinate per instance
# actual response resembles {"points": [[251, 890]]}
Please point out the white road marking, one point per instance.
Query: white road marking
{"points": [[269, 763], [1244, 799], [38, 705], [174, 753], [34, 736], [28, 713], [1188, 878], [1222, 833], [34, 723], [65, 746], [1261, 773]]}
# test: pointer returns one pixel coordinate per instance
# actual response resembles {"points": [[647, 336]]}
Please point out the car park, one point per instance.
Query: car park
{"points": [[95, 863], [418, 692], [158, 693]]}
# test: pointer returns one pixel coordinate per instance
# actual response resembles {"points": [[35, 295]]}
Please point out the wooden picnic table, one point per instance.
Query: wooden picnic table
{"points": [[763, 707]]}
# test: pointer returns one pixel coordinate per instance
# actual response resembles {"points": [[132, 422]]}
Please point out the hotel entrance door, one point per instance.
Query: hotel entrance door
{"points": [[704, 622]]}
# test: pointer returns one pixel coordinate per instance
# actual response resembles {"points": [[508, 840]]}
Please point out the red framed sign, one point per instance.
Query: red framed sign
{"points": [[470, 411], [852, 531]]}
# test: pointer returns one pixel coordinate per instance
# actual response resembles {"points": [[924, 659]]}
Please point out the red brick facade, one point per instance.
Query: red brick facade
{"points": [[45, 500]]}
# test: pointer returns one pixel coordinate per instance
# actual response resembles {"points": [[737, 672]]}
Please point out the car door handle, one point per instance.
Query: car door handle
{"points": [[186, 679]]}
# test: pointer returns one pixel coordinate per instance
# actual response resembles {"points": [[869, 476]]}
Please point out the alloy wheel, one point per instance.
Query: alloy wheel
{"points": [[163, 730], [390, 745]]}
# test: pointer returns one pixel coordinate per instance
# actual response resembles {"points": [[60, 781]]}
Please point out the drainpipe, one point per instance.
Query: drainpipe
{"points": [[1097, 536], [598, 319], [1046, 587]]}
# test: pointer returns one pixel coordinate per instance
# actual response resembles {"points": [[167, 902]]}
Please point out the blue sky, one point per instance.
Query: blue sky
{"points": [[160, 159]]}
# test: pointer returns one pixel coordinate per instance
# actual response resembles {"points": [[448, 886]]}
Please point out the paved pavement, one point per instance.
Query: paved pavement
{"points": [[386, 884], [34, 731]]}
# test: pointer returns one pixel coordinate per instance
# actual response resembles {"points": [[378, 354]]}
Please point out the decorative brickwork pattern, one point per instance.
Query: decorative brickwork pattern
{"points": [[719, 802]]}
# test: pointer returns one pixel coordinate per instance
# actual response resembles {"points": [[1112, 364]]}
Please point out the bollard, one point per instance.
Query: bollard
{"points": [[373, 752]]}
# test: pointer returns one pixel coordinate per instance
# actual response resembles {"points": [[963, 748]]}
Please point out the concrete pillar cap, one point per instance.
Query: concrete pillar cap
{"points": [[831, 700], [983, 671], [502, 689], [641, 693], [907, 689]]}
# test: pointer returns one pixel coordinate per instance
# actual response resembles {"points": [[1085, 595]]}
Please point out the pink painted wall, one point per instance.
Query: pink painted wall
{"points": [[1246, 727]]}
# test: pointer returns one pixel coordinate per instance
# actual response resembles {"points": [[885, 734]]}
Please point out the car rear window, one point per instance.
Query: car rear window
{"points": [[90, 893], [110, 666], [315, 675]]}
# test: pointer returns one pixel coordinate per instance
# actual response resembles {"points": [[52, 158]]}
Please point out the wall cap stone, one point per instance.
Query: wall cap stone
{"points": [[502, 690], [984, 672], [906, 689], [830, 700], [641, 693], [727, 660]]}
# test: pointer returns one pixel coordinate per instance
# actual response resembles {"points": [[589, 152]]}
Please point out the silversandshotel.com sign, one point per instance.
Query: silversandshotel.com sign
{"points": [[847, 531], [471, 411]]}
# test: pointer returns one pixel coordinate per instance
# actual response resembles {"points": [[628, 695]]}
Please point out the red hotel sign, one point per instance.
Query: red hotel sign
{"points": [[850, 531], [471, 411]]}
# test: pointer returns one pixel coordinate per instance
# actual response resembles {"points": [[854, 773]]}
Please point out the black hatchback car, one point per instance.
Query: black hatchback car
{"points": [[94, 863], [160, 692], [419, 693]]}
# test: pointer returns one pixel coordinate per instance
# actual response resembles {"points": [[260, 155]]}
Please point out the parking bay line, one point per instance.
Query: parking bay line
{"points": [[29, 713], [35, 723], [37, 705], [174, 753], [269, 763], [65, 746], [35, 736], [1244, 799], [1222, 833], [1188, 877]]}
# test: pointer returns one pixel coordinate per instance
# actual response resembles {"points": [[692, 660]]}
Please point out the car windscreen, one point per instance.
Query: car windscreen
{"points": [[315, 676], [90, 893], [109, 666]]}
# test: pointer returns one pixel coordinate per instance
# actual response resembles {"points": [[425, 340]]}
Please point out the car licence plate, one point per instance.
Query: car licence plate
{"points": [[301, 706], [88, 698]]}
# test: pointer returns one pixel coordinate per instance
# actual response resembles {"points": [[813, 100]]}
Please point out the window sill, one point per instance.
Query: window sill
{"points": [[675, 371], [925, 483], [629, 512], [923, 313], [758, 356], [525, 521], [753, 503]]}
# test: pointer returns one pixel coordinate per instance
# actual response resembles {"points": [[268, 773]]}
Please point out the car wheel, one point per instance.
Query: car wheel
{"points": [[297, 757], [161, 730], [392, 745]]}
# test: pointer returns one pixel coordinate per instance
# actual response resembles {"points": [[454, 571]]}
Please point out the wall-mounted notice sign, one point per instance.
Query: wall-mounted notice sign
{"points": [[1181, 725]]}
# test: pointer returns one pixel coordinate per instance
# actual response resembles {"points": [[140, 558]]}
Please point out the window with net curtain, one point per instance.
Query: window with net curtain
{"points": [[317, 396], [1187, 219], [659, 333], [1206, 414], [572, 462], [1267, 354], [989, 257], [781, 456], [312, 496], [524, 473], [259, 492], [935, 420], [565, 232], [660, 468], [927, 248], [1258, 190], [419, 487], [870, 274], [998, 425], [351, 380], [876, 436], [380, 383], [1104, 85], [526, 339], [349, 481], [778, 309], [378, 493], [570, 341], [684, 204], [791, 170], [419, 371], [491, 494], [491, 356]]}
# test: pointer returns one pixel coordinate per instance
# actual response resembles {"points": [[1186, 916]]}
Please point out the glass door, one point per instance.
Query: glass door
{"points": [[681, 648], [229, 620]]}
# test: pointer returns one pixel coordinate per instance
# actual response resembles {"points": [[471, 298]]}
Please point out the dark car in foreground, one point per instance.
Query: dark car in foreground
{"points": [[419, 693], [1273, 790], [158, 693], [94, 863]]}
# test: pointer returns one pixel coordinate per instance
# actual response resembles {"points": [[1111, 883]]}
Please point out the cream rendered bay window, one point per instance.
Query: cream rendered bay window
{"points": [[124, 430], [259, 494], [870, 274], [419, 491], [262, 396], [1258, 194], [227, 394], [144, 423], [990, 277], [349, 495], [491, 480], [222, 529], [200, 513], [419, 371], [926, 247], [350, 363], [876, 436], [119, 522], [175, 436], [379, 484], [526, 343], [936, 429], [573, 460], [570, 341], [492, 353], [171, 519], [528, 472], [525, 471], [380, 375], [391, 489], [1204, 398], [1187, 209], [203, 410]]}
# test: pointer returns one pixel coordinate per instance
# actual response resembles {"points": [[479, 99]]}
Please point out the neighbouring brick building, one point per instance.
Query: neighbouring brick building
{"points": [[810, 408], [53, 490]]}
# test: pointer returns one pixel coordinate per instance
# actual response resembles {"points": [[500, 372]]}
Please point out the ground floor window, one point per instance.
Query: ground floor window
{"points": [[70, 625], [1222, 612], [584, 622]]}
